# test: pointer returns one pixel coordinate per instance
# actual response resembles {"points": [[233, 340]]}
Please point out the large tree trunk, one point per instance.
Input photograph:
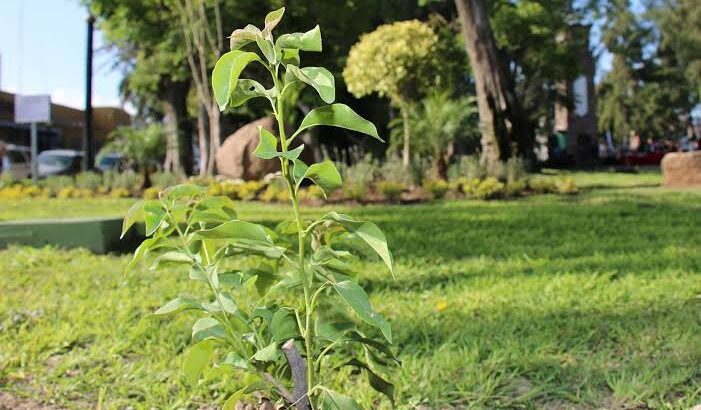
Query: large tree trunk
{"points": [[178, 128], [503, 127]]}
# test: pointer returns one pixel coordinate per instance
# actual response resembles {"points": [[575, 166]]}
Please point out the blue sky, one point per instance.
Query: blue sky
{"points": [[42, 44]]}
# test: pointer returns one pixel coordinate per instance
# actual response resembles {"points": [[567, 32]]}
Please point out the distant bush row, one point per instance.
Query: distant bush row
{"points": [[365, 181]]}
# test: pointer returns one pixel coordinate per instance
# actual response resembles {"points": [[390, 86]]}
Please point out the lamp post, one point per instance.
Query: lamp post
{"points": [[88, 143]]}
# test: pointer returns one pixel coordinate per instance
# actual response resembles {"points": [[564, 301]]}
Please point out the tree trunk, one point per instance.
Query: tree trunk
{"points": [[178, 128], [147, 177], [214, 138], [499, 111], [406, 153], [172, 158], [202, 139]]}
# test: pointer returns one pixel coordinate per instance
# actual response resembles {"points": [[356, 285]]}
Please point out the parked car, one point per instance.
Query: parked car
{"points": [[109, 162], [59, 162], [17, 161]]}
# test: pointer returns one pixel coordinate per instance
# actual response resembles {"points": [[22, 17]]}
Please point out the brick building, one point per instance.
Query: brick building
{"points": [[66, 128], [576, 127]]}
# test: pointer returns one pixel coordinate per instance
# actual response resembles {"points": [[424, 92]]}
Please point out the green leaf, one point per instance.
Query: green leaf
{"points": [[267, 47], [323, 174], [234, 230], [234, 399], [330, 400], [269, 353], [171, 257], [245, 90], [134, 213], [208, 328], [154, 213], [216, 209], [233, 279], [209, 216], [225, 75], [228, 303], [272, 20], [265, 278], [358, 300], [318, 77], [143, 249], [338, 115], [378, 345], [183, 191], [284, 325], [242, 36], [264, 313], [234, 360], [196, 359], [332, 331], [373, 236], [290, 56], [267, 147], [223, 203], [377, 382], [368, 232], [196, 273], [299, 170], [308, 41], [178, 305]]}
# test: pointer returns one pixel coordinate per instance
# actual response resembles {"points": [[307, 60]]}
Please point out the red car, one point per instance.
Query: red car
{"points": [[642, 158]]}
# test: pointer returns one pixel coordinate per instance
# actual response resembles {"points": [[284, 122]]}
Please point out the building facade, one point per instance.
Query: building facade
{"points": [[576, 127], [66, 127]]}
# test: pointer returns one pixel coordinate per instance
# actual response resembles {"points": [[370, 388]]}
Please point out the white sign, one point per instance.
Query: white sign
{"points": [[32, 108]]}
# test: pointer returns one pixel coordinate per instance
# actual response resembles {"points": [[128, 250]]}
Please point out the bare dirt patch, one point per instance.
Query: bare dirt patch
{"points": [[10, 402]]}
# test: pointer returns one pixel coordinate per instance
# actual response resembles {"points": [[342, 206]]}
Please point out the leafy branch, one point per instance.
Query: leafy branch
{"points": [[281, 296]]}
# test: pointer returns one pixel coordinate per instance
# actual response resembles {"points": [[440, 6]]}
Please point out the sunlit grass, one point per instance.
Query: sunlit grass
{"points": [[558, 302]]}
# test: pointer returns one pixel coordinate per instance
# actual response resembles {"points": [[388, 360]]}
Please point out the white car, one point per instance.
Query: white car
{"points": [[59, 162]]}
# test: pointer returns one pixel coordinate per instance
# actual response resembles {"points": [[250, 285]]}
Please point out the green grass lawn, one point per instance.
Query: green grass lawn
{"points": [[585, 302]]}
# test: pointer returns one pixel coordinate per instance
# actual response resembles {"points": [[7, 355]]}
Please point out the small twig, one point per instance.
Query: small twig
{"points": [[299, 375]]}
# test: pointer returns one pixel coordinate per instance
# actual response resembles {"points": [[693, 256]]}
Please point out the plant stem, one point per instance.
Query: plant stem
{"points": [[301, 236], [207, 272]]}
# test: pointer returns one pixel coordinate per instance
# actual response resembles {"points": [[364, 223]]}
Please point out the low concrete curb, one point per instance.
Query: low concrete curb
{"points": [[99, 235]]}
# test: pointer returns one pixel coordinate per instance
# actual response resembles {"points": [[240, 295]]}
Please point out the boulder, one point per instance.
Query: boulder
{"points": [[235, 156], [681, 169]]}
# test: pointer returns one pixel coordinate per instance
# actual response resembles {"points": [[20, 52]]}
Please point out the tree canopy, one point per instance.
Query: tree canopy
{"points": [[652, 85]]}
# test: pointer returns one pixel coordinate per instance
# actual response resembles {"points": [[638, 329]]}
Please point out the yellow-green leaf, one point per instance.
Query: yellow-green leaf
{"points": [[338, 115], [196, 359], [226, 74], [308, 41], [318, 77]]}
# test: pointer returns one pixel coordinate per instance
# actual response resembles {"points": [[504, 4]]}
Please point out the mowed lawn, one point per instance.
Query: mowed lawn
{"points": [[558, 302]]}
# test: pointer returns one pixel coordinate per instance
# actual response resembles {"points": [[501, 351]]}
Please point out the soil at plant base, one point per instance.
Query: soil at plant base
{"points": [[10, 402]]}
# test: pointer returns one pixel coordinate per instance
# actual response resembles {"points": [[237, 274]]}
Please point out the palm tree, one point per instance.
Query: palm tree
{"points": [[141, 147], [436, 123]]}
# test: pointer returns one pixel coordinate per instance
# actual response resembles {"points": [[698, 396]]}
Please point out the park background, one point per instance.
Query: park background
{"points": [[547, 258]]}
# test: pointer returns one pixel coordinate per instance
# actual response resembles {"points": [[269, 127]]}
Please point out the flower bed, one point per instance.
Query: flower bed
{"points": [[271, 190]]}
